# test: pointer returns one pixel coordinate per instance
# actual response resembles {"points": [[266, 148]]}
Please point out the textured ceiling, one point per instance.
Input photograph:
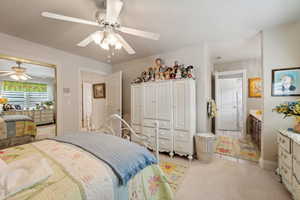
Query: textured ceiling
{"points": [[180, 23]]}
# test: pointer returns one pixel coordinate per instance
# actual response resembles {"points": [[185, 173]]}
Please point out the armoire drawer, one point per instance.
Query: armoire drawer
{"points": [[164, 134], [137, 128], [149, 122], [162, 123], [183, 147], [164, 144], [182, 136], [285, 157], [296, 151], [284, 142]]}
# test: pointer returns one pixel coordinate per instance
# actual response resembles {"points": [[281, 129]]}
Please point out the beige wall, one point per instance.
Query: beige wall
{"points": [[281, 49], [253, 68], [68, 66], [195, 55], [98, 105]]}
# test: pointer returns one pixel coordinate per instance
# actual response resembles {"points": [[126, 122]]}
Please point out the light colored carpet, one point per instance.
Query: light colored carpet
{"points": [[174, 171], [229, 180]]}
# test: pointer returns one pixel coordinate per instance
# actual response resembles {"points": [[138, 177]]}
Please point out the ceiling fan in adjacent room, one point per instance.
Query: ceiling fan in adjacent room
{"points": [[108, 37], [17, 73]]}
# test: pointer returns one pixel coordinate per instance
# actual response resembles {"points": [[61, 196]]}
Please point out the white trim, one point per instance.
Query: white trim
{"points": [[245, 92], [267, 164]]}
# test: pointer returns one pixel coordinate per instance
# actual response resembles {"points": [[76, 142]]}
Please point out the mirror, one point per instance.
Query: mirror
{"points": [[27, 101]]}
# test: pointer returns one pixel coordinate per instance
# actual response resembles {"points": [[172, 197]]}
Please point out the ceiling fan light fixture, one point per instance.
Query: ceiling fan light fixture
{"points": [[118, 46], [15, 77], [22, 77], [97, 38], [104, 45]]}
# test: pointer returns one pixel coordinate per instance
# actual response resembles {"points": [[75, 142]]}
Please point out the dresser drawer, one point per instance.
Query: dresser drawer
{"points": [[295, 188], [182, 136], [296, 151], [285, 157], [296, 168], [284, 142], [286, 173]]}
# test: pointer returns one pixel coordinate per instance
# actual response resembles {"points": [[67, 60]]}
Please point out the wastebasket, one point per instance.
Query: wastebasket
{"points": [[205, 146]]}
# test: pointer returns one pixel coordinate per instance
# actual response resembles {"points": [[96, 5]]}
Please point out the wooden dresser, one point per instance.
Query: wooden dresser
{"points": [[289, 161]]}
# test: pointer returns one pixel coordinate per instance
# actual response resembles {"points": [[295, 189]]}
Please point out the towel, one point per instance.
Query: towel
{"points": [[23, 174]]}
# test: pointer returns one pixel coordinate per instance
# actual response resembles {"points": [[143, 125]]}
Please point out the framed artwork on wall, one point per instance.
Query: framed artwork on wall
{"points": [[99, 90], [286, 82], [255, 87]]}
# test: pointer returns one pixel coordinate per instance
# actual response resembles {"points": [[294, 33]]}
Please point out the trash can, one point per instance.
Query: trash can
{"points": [[205, 146]]}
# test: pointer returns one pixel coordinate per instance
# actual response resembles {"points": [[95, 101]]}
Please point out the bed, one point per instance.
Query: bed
{"points": [[88, 166], [16, 129]]}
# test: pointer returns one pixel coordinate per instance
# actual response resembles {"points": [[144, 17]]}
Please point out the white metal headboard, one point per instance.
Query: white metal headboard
{"points": [[107, 128]]}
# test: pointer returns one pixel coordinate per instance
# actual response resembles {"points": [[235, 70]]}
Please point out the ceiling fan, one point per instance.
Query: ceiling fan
{"points": [[17, 73], [108, 36]]}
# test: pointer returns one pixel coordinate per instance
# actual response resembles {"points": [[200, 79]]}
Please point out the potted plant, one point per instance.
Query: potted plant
{"points": [[290, 109]]}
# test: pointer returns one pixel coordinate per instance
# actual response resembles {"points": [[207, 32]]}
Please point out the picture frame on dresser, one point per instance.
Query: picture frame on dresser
{"points": [[286, 82]]}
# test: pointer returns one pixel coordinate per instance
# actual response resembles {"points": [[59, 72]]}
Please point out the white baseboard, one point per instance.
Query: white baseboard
{"points": [[268, 165]]}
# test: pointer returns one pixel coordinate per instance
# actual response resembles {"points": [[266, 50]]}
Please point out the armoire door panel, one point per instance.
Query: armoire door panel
{"points": [[164, 101], [149, 101], [180, 105], [136, 95]]}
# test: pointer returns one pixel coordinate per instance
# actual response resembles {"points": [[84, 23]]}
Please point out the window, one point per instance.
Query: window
{"points": [[27, 95]]}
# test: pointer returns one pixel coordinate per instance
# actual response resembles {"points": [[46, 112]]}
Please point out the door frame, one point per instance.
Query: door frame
{"points": [[245, 92], [80, 93]]}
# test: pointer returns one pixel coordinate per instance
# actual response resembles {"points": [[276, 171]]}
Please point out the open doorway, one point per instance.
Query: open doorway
{"points": [[101, 96], [230, 98], [237, 80]]}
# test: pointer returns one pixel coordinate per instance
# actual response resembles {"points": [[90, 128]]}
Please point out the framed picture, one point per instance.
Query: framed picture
{"points": [[99, 90], [286, 82], [255, 87]]}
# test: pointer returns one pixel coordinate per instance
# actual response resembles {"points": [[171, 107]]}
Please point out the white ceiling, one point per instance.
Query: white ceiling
{"points": [[241, 49], [35, 71], [180, 22]]}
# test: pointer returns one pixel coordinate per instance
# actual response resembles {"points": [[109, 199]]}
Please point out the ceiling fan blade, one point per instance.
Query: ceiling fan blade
{"points": [[97, 37], [1, 72], [113, 9], [144, 34], [27, 76], [6, 73], [69, 19], [126, 46]]}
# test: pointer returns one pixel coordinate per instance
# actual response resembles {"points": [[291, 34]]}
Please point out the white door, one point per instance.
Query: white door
{"points": [[114, 98], [228, 99], [164, 101], [87, 104], [136, 104], [149, 98], [181, 100]]}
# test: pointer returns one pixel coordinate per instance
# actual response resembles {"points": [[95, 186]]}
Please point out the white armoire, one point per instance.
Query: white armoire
{"points": [[173, 104]]}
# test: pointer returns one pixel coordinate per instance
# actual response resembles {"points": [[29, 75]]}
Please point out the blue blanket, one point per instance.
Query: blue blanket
{"points": [[125, 158]]}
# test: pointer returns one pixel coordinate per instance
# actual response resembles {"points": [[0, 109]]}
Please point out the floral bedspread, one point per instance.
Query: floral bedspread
{"points": [[78, 175]]}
